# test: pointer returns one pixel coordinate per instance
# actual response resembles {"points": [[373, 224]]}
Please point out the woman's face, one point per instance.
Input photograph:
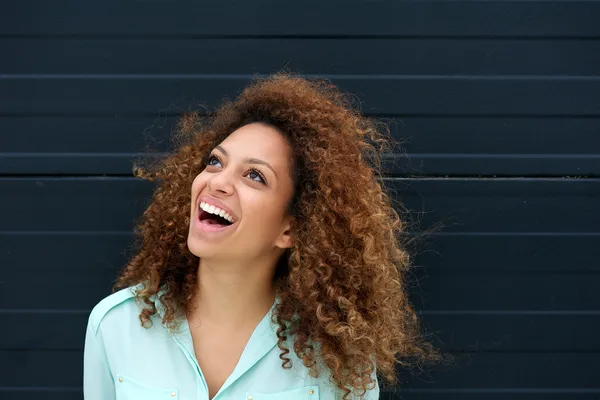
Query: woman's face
{"points": [[247, 181]]}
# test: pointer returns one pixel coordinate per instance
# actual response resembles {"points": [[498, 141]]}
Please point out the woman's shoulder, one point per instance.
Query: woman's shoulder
{"points": [[121, 304]]}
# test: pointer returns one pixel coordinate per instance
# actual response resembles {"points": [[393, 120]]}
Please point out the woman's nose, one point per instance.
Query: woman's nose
{"points": [[221, 182]]}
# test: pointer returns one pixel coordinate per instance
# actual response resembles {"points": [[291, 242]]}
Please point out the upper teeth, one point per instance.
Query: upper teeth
{"points": [[216, 211]]}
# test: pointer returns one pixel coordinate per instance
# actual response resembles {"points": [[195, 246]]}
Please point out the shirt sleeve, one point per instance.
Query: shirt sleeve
{"points": [[98, 383]]}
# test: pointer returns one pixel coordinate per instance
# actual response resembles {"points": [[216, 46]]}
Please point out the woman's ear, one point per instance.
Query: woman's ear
{"points": [[286, 238]]}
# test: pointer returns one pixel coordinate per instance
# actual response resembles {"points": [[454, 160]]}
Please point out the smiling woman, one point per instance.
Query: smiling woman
{"points": [[248, 176], [269, 265]]}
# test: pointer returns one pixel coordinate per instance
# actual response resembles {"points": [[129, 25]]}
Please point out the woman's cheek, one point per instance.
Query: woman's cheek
{"points": [[198, 183]]}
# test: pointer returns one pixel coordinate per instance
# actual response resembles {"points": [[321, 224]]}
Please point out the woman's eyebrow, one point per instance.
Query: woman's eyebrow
{"points": [[250, 160], [257, 161]]}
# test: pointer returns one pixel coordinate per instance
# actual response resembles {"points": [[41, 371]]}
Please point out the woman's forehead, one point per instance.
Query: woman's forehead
{"points": [[257, 140]]}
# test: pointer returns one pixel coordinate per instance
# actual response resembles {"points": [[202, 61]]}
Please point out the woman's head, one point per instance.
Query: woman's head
{"points": [[249, 176], [323, 215]]}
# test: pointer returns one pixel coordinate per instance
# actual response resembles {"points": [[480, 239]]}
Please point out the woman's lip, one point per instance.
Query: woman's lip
{"points": [[206, 227], [217, 203]]}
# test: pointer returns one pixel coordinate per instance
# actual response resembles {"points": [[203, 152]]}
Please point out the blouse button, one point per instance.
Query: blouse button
{"points": [[311, 391], [121, 380], [173, 394]]}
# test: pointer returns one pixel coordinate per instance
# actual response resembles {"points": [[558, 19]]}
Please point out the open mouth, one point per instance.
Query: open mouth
{"points": [[213, 219]]}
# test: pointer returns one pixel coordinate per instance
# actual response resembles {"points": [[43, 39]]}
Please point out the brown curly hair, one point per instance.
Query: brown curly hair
{"points": [[342, 286]]}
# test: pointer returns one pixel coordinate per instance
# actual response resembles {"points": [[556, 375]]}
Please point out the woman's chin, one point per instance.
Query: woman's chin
{"points": [[202, 249]]}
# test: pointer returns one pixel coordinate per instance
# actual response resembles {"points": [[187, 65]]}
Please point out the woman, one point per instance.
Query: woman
{"points": [[269, 266]]}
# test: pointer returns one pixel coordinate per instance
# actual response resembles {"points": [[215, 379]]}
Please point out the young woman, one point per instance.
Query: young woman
{"points": [[269, 266]]}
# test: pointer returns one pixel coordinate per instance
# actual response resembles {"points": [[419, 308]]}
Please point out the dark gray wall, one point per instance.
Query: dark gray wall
{"points": [[499, 105]]}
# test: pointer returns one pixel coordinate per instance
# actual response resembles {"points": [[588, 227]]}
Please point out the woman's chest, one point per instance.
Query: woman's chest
{"points": [[169, 377], [172, 367], [217, 354]]}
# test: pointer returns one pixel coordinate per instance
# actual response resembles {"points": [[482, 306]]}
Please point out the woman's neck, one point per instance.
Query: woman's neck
{"points": [[230, 295]]}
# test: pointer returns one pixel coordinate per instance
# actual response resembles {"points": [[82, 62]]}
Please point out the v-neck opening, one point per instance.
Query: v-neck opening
{"points": [[260, 342]]}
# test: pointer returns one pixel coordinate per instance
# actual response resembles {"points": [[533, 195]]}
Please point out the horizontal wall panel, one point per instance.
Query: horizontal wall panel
{"points": [[80, 145], [448, 205], [489, 394], [65, 330], [41, 368], [91, 136], [434, 292], [486, 165], [66, 293], [551, 165], [490, 146], [67, 164], [264, 18], [90, 255], [416, 95], [500, 205], [513, 332], [527, 371], [92, 204], [472, 136], [441, 136], [475, 371], [431, 146], [437, 56], [35, 393], [507, 252], [474, 292]]}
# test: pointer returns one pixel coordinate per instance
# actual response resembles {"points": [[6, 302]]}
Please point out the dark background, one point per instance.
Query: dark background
{"points": [[498, 103]]}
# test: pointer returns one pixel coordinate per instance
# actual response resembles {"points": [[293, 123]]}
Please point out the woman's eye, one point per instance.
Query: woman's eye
{"points": [[255, 176], [211, 160]]}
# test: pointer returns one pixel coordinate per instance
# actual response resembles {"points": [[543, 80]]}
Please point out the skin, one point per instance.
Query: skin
{"points": [[239, 263]]}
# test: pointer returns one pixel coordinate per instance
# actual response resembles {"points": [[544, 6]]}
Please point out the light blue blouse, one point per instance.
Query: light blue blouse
{"points": [[125, 361]]}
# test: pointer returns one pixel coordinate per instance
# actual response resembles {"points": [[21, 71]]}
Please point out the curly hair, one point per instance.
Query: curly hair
{"points": [[342, 287]]}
